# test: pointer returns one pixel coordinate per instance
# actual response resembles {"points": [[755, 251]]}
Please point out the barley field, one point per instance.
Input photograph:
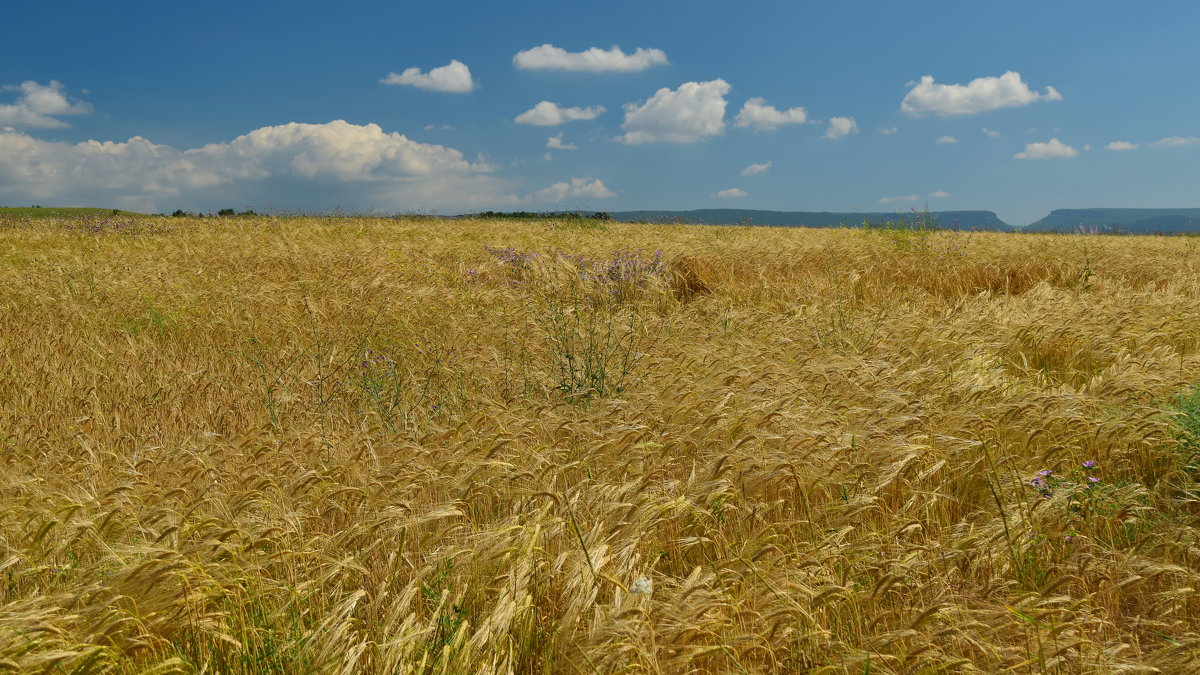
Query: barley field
{"points": [[360, 445]]}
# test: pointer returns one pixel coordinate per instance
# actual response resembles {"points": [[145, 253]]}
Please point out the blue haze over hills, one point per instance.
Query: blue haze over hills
{"points": [[1104, 220], [965, 220]]}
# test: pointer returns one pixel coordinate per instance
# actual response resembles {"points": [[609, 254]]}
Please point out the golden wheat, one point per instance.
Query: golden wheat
{"points": [[347, 445]]}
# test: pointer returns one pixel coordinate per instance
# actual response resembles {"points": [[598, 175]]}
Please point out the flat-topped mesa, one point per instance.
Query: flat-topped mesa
{"points": [[1133, 221]]}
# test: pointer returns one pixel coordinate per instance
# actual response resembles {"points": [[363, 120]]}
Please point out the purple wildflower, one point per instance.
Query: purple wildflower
{"points": [[512, 256], [1093, 479], [1090, 464]]}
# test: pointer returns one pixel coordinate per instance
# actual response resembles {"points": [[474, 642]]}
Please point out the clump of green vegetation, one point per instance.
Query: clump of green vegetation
{"points": [[1187, 404], [563, 216]]}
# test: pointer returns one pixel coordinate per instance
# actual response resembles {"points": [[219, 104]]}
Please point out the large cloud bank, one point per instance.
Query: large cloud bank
{"points": [[353, 164]]}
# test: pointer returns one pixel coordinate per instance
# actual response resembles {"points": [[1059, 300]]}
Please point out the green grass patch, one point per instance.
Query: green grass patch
{"points": [[1188, 405]]}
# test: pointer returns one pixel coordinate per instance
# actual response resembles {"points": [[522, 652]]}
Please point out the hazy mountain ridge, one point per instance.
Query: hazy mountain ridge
{"points": [[1135, 221], [964, 220]]}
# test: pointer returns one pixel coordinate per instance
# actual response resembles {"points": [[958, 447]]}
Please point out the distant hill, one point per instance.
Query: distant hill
{"points": [[965, 220], [61, 211], [1130, 221], [1133, 221]]}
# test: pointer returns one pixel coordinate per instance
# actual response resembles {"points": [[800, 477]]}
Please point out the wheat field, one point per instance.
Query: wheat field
{"points": [[343, 445]]}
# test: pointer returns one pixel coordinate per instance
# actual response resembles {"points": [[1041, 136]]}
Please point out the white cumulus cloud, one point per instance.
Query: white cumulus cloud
{"points": [[979, 95], [595, 60], [454, 77], [556, 142], [840, 127], [946, 139], [576, 188], [939, 193], [304, 166], [902, 198], [548, 114], [1122, 145], [756, 113], [991, 133], [39, 104], [1052, 149], [729, 193], [1176, 141], [693, 112], [888, 131], [755, 169]]}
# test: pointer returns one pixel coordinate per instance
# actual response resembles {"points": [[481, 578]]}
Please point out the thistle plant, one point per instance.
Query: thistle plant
{"points": [[619, 278], [587, 310], [402, 385], [1076, 490]]}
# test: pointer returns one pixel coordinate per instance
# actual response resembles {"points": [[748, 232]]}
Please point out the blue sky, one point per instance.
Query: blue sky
{"points": [[839, 106]]}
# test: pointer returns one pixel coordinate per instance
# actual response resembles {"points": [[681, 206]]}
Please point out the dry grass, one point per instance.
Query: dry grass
{"points": [[349, 445]]}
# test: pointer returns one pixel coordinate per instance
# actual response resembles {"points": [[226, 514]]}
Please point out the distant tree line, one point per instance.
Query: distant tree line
{"points": [[180, 213], [529, 215]]}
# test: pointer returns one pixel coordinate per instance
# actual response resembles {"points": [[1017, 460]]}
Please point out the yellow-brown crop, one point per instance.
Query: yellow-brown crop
{"points": [[345, 445]]}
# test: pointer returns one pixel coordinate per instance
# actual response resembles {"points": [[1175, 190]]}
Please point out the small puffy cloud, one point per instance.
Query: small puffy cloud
{"points": [[991, 133], [48, 99], [979, 95], [1087, 147], [888, 131], [556, 143], [755, 169], [454, 77], [939, 193], [693, 112], [729, 193], [946, 139], [594, 60], [313, 166], [1175, 141], [1052, 149], [39, 104], [438, 127], [756, 113], [840, 127], [902, 198], [548, 114], [576, 188]]}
